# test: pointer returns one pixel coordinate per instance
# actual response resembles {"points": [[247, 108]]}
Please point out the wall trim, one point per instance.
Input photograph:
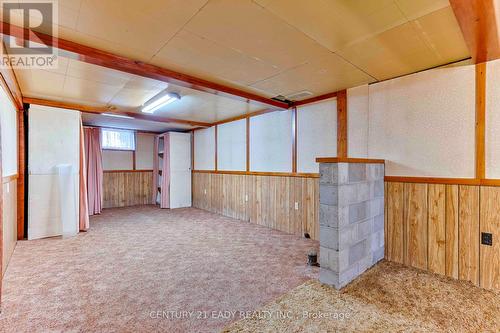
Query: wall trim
{"points": [[259, 173], [480, 120], [8, 179], [116, 171], [348, 160], [446, 181]]}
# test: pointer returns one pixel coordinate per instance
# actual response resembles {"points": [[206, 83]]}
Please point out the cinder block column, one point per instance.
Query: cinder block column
{"points": [[351, 220]]}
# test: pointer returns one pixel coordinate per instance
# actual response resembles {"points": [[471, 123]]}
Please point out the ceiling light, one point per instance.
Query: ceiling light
{"points": [[159, 101], [116, 115]]}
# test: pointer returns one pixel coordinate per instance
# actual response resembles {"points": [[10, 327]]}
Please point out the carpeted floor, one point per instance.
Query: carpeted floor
{"points": [[387, 298], [143, 269]]}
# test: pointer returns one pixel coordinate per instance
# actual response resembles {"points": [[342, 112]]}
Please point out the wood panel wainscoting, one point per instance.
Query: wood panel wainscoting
{"points": [[437, 227], [268, 200], [124, 188]]}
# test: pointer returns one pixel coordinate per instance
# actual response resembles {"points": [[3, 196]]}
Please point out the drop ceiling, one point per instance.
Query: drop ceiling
{"points": [[268, 47]]}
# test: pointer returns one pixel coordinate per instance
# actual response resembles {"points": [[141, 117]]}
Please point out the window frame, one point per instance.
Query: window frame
{"points": [[134, 135]]}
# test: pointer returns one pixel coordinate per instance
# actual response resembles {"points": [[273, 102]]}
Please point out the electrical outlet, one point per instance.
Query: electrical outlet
{"points": [[246, 197], [487, 238], [296, 206]]}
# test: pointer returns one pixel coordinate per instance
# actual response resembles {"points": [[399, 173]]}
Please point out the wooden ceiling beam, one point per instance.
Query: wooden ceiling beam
{"points": [[109, 60], [9, 83], [315, 99], [101, 110], [478, 22]]}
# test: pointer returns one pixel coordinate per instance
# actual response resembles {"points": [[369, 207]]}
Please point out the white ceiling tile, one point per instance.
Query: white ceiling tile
{"points": [[86, 90], [413, 9], [443, 35], [248, 28], [192, 54], [335, 24], [385, 55], [323, 75], [148, 25], [81, 70]]}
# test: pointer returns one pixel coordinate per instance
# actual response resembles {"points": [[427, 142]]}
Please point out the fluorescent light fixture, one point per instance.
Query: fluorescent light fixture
{"points": [[116, 115], [159, 101]]}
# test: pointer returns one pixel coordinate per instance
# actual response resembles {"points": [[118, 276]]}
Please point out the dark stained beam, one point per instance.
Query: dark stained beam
{"points": [[101, 110], [478, 21], [109, 60], [315, 99], [9, 83]]}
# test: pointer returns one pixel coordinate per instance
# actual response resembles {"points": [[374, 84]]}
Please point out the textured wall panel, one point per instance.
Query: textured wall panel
{"points": [[271, 142], [357, 121], [424, 124], [316, 134], [204, 149], [493, 119], [232, 146]]}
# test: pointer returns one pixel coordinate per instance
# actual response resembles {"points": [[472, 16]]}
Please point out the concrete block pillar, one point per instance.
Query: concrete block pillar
{"points": [[351, 220]]}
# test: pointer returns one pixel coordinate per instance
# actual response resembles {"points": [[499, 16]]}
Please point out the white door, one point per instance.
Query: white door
{"points": [[53, 140], [180, 170]]}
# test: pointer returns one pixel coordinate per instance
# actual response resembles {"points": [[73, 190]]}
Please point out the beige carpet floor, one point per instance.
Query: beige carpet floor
{"points": [[387, 298], [142, 269]]}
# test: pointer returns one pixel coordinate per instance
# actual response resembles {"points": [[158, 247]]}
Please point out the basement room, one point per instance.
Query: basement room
{"points": [[250, 166]]}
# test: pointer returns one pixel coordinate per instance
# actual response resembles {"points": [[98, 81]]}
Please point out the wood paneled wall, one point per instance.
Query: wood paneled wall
{"points": [[437, 227], [127, 188], [264, 200]]}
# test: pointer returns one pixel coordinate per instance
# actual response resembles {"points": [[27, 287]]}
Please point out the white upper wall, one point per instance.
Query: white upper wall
{"points": [[8, 121], [232, 146], [493, 119], [424, 124], [271, 142], [357, 121], [144, 151], [124, 160], [316, 134], [204, 149], [117, 160]]}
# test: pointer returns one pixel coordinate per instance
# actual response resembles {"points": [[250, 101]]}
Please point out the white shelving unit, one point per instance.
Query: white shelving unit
{"points": [[174, 153]]}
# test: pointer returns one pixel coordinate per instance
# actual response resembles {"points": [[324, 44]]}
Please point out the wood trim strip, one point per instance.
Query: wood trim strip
{"points": [[216, 134], [106, 59], [246, 116], [134, 157], [480, 120], [8, 179], [119, 171], [433, 180], [8, 81], [315, 99], [192, 150], [100, 110], [125, 129], [21, 165], [294, 140], [478, 22], [258, 173], [68, 106], [348, 160], [342, 124], [248, 144], [15, 97], [490, 182]]}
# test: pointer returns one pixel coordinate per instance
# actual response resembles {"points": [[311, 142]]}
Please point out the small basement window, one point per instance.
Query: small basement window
{"points": [[116, 139]]}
